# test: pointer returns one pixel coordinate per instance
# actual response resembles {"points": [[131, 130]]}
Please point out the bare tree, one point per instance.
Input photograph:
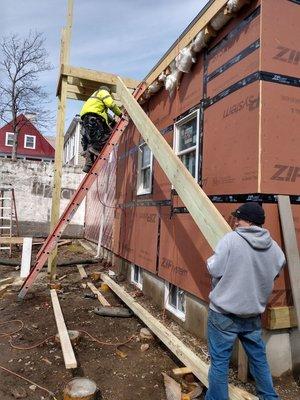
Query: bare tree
{"points": [[21, 62]]}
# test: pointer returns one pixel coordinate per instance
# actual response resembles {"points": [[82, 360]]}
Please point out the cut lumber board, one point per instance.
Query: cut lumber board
{"points": [[6, 280], [66, 346], [206, 216], [100, 296], [198, 367], [281, 317], [4, 288], [26, 257], [82, 272], [291, 249]]}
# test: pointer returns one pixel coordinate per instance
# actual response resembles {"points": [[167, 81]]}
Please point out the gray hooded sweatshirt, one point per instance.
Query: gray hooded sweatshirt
{"points": [[243, 270]]}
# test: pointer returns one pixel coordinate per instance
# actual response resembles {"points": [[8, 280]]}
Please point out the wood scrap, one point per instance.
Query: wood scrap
{"points": [[81, 271], [66, 346], [181, 371], [100, 296], [4, 288], [6, 280]]}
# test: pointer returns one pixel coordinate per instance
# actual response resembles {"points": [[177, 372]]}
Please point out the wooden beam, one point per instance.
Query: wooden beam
{"points": [[291, 249], [26, 257], [192, 30], [100, 296], [96, 76], [281, 317], [210, 222], [198, 367], [66, 346], [82, 272]]}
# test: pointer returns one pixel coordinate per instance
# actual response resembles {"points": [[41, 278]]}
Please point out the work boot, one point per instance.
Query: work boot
{"points": [[93, 151], [89, 161]]}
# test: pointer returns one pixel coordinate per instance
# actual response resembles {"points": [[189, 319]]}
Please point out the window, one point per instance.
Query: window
{"points": [[186, 141], [175, 300], [29, 142], [136, 276], [9, 139], [144, 184]]}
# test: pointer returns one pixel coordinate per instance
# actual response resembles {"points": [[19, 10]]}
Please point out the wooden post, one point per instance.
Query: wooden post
{"points": [[291, 249], [59, 140]]}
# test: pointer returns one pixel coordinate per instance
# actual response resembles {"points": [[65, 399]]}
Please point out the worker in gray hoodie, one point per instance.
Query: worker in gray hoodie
{"points": [[243, 269]]}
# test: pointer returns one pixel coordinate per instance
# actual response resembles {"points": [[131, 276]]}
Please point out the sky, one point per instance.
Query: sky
{"points": [[125, 37]]}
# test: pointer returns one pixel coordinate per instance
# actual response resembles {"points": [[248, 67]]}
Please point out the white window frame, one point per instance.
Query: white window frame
{"points": [[7, 138], [140, 189], [174, 310], [34, 142], [139, 282], [178, 124]]}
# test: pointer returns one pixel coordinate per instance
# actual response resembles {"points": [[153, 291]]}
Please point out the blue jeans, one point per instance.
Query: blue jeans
{"points": [[223, 330]]}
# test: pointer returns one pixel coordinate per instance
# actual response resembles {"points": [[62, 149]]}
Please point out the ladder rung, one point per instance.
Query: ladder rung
{"points": [[5, 198], [5, 227], [5, 208], [4, 248], [5, 217]]}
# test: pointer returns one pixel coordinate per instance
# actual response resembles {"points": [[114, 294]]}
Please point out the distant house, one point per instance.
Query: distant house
{"points": [[32, 145], [72, 144]]}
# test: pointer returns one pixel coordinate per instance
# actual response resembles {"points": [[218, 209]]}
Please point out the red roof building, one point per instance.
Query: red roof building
{"points": [[32, 145]]}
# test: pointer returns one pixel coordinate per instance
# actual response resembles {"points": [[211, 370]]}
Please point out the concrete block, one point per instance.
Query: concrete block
{"points": [[154, 288], [295, 348], [196, 316], [279, 352]]}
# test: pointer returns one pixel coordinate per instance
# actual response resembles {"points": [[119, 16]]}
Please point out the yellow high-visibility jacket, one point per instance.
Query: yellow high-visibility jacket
{"points": [[99, 103]]}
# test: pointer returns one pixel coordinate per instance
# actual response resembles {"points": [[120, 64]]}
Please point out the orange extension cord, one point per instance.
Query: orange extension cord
{"points": [[9, 335]]}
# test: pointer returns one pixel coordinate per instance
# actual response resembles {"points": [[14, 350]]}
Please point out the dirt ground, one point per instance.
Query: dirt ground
{"points": [[123, 372]]}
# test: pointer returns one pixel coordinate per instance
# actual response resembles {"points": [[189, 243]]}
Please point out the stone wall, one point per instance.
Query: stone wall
{"points": [[32, 182]]}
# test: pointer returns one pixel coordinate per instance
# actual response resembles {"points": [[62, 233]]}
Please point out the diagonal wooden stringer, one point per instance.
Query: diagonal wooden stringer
{"points": [[75, 201]]}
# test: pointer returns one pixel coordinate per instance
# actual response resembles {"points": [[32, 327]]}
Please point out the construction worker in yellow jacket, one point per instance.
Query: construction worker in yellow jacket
{"points": [[97, 123]]}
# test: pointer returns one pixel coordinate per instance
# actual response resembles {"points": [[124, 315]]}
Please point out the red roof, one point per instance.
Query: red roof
{"points": [[43, 148]]}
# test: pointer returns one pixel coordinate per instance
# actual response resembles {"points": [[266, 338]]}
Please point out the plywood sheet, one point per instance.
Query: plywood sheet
{"points": [[182, 255], [231, 143], [280, 37], [280, 139], [232, 44], [234, 74]]}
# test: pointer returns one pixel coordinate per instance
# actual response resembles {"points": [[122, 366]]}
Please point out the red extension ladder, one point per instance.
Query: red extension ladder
{"points": [[76, 200]]}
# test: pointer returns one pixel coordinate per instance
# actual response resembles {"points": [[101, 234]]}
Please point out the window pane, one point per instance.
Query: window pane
{"points": [[136, 273], [173, 295], [146, 156], [181, 298], [146, 178], [189, 160], [10, 139], [30, 141], [187, 134]]}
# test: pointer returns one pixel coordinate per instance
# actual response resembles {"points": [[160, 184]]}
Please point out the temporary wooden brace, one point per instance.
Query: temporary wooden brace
{"points": [[208, 219], [26, 257], [82, 272], [101, 298], [182, 352], [291, 249], [66, 346]]}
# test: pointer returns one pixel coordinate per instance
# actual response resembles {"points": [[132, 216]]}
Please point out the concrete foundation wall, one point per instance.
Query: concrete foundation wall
{"points": [[282, 346], [32, 182]]}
